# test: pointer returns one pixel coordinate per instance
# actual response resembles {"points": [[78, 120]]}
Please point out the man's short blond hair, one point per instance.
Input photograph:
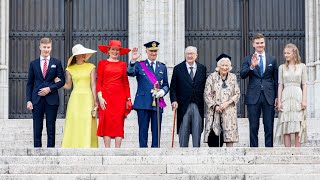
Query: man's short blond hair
{"points": [[45, 40]]}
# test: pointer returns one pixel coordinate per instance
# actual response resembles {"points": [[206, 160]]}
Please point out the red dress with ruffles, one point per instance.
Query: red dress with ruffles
{"points": [[112, 81]]}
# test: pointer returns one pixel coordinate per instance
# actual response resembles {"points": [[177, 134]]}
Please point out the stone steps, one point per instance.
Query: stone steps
{"points": [[160, 177], [135, 144], [156, 160], [18, 133], [163, 163], [19, 160]]}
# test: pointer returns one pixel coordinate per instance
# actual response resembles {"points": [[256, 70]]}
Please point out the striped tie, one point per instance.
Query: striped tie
{"points": [[45, 68]]}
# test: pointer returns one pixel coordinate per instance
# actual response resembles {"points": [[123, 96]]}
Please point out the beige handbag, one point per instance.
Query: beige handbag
{"points": [[94, 112]]}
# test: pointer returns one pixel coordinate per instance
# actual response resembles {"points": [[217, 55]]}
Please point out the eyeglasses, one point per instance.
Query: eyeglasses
{"points": [[192, 53]]}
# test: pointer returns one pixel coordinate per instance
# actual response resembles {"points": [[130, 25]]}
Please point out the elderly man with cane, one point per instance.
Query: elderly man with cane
{"points": [[186, 94]]}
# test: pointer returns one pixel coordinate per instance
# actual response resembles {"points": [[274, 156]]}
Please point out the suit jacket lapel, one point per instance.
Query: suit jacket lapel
{"points": [[49, 67], [38, 68], [196, 76], [185, 72], [149, 66], [268, 61], [157, 68]]}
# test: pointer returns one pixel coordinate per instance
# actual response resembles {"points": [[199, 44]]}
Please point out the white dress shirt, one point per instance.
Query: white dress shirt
{"points": [[194, 68], [154, 66], [42, 62]]}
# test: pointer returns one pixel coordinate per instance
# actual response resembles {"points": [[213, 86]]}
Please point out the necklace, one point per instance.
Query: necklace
{"points": [[224, 85]]}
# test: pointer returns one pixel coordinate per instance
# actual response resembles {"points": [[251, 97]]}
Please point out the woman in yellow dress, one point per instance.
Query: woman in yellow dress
{"points": [[80, 127]]}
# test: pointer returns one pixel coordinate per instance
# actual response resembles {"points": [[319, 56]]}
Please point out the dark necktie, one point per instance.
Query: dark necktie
{"points": [[152, 63], [261, 65], [191, 73]]}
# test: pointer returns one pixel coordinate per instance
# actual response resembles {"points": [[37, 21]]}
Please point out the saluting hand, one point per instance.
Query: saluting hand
{"points": [[254, 60], [135, 54]]}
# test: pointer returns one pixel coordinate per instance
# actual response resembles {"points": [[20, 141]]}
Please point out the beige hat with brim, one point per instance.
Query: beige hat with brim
{"points": [[79, 49]]}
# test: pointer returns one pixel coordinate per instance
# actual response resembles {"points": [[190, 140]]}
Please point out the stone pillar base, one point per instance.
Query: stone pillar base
{"points": [[316, 100]]}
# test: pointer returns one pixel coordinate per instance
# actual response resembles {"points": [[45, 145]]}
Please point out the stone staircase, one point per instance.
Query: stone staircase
{"points": [[19, 160], [178, 163], [17, 133]]}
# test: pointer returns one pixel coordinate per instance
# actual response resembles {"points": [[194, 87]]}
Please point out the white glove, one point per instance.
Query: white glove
{"points": [[153, 92], [160, 93]]}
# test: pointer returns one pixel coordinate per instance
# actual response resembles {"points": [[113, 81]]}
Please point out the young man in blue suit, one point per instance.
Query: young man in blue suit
{"points": [[262, 70], [42, 92], [150, 74]]}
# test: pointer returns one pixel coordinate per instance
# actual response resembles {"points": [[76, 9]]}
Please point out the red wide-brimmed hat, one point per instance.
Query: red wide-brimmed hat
{"points": [[114, 43]]}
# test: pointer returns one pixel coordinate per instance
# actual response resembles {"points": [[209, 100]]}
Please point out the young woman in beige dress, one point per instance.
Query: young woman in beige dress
{"points": [[292, 99]]}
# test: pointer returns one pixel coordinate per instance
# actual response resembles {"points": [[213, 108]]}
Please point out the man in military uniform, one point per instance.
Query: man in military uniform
{"points": [[152, 81]]}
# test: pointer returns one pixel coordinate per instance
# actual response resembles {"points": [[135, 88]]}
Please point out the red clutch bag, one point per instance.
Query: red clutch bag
{"points": [[128, 107]]}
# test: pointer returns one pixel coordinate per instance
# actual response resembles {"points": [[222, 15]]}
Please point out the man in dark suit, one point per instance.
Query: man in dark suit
{"points": [[262, 70], [186, 94], [42, 92], [150, 74]]}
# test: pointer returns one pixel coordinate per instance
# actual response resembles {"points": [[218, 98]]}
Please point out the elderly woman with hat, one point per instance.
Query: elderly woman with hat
{"points": [[113, 93], [221, 95], [80, 126]]}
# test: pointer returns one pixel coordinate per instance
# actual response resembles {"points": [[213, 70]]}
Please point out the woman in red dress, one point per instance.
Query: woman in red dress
{"points": [[113, 93]]}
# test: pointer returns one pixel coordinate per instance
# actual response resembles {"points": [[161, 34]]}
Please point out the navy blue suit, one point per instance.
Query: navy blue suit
{"points": [[44, 104], [261, 94], [143, 99]]}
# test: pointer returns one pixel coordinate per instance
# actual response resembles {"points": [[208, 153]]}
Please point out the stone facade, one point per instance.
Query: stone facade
{"points": [[163, 21], [4, 59], [312, 9]]}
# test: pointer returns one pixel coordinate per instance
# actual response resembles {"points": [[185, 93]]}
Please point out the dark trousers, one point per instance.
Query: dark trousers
{"points": [[38, 114], [191, 123], [144, 117], [254, 111]]}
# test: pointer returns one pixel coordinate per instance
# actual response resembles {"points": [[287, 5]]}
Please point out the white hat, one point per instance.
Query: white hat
{"points": [[79, 49]]}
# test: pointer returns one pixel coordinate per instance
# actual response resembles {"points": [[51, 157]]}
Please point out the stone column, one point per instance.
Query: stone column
{"points": [[161, 20], [312, 19], [4, 59]]}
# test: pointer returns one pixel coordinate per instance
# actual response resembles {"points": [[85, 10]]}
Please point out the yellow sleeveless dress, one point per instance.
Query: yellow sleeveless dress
{"points": [[80, 128]]}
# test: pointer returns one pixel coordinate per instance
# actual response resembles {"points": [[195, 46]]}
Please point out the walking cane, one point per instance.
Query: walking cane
{"points": [[158, 119], [220, 128], [174, 125]]}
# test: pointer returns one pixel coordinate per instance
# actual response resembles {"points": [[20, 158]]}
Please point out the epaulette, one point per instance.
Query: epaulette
{"points": [[141, 60], [162, 63]]}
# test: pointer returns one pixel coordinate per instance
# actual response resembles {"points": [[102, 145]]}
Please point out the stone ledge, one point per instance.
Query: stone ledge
{"points": [[235, 151], [159, 177]]}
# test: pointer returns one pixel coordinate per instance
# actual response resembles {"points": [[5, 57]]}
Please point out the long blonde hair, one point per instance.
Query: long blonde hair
{"points": [[296, 54]]}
